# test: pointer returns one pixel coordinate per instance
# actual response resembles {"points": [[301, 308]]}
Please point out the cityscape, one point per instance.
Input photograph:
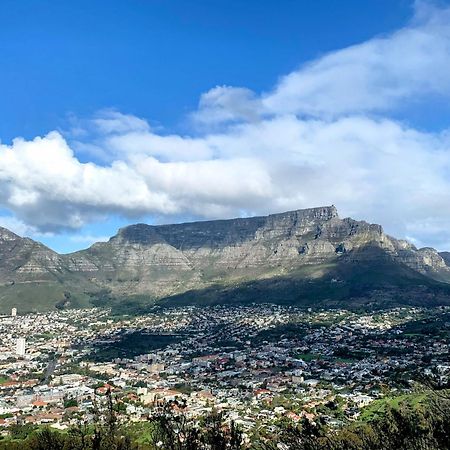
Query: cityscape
{"points": [[256, 364]]}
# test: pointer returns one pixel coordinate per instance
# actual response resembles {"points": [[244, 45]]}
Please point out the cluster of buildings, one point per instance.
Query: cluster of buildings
{"points": [[258, 364]]}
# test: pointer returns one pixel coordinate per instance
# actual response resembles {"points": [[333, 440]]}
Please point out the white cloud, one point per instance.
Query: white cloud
{"points": [[227, 104], [381, 74], [88, 239], [114, 122], [46, 186], [172, 147], [373, 169], [17, 226], [309, 142]]}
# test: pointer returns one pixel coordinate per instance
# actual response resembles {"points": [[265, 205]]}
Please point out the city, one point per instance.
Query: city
{"points": [[256, 364]]}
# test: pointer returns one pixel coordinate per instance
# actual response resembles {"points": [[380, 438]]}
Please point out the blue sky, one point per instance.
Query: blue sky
{"points": [[154, 58], [164, 111]]}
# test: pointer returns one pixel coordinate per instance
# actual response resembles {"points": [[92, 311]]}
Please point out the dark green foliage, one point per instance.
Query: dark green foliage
{"points": [[406, 426], [108, 434], [347, 353], [438, 326], [133, 344], [173, 431], [47, 440], [70, 403], [21, 431], [286, 331]]}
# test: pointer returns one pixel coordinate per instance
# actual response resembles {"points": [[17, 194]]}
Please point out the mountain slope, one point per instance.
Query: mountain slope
{"points": [[299, 255], [164, 260], [34, 277], [446, 257]]}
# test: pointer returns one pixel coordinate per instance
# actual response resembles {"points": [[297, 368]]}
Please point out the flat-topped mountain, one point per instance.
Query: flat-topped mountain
{"points": [[223, 258]]}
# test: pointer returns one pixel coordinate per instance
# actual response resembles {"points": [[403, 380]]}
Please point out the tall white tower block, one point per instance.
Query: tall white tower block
{"points": [[20, 347]]}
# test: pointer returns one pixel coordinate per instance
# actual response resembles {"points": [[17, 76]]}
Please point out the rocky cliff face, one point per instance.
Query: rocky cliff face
{"points": [[168, 259], [34, 277], [23, 258]]}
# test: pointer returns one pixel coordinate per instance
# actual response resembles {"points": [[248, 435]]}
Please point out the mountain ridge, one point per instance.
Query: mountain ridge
{"points": [[161, 261]]}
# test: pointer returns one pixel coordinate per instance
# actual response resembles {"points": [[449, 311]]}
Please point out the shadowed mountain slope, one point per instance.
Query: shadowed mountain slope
{"points": [[446, 257]]}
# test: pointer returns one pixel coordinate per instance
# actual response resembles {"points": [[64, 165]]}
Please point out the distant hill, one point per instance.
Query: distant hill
{"points": [[34, 277], [302, 256], [446, 257]]}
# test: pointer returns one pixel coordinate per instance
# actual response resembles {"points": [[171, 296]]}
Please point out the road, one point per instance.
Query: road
{"points": [[49, 371]]}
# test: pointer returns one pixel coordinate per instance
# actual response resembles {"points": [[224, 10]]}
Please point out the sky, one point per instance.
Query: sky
{"points": [[162, 111]]}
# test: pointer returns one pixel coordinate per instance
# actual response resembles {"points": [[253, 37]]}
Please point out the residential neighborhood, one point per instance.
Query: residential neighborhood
{"points": [[258, 364]]}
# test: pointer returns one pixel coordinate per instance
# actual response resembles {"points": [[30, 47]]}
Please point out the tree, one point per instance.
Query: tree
{"points": [[173, 431], [47, 440]]}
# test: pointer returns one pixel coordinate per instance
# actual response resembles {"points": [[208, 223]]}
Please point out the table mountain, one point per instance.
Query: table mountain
{"points": [[305, 252]]}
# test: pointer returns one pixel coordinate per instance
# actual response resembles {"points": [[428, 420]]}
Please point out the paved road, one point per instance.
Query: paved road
{"points": [[49, 371]]}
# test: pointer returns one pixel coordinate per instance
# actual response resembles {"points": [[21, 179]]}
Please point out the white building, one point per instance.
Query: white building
{"points": [[20, 347], [14, 312]]}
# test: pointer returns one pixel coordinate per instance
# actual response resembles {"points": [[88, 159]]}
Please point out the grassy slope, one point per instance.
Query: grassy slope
{"points": [[31, 297], [377, 409]]}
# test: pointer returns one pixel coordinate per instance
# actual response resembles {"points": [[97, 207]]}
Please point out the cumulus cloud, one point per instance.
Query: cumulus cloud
{"points": [[313, 140], [17, 226], [374, 169], [43, 182], [375, 76], [378, 75]]}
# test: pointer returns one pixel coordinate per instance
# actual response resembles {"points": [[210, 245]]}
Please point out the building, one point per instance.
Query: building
{"points": [[20, 347], [14, 312]]}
